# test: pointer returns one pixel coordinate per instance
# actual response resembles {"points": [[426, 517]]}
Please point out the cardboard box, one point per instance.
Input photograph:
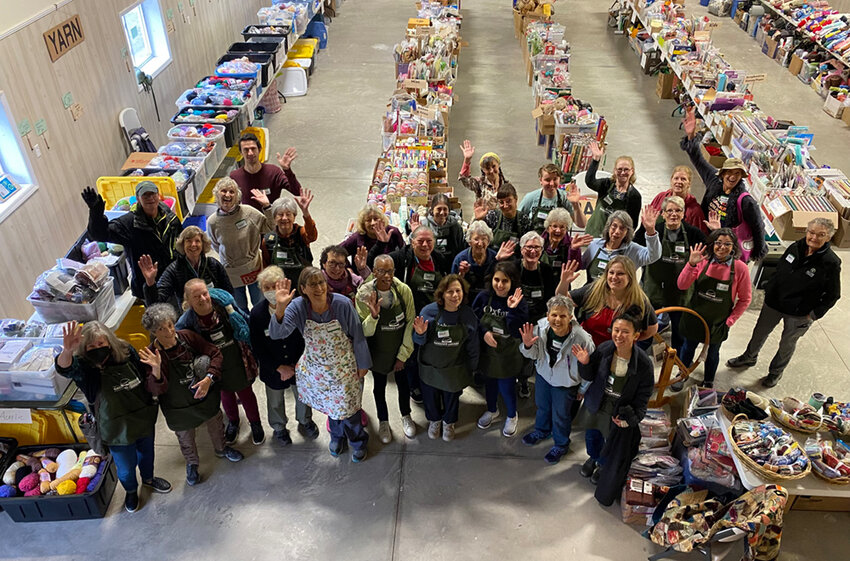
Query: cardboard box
{"points": [[833, 107], [546, 125], [795, 65], [769, 47], [418, 22], [841, 238], [791, 226], [828, 504], [846, 117], [664, 87], [517, 24], [716, 161]]}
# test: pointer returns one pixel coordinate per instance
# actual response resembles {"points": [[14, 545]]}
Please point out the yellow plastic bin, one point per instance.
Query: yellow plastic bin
{"points": [[304, 48], [113, 189]]}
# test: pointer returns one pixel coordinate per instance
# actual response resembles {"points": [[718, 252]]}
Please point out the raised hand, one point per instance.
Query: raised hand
{"points": [[490, 339], [420, 325], [696, 254], [284, 293], [148, 269], [689, 122], [374, 304], [93, 200], [415, 221], [648, 219], [713, 222], [596, 150], [463, 268], [152, 359], [527, 334], [581, 241], [479, 209], [285, 161], [304, 200], [468, 150], [260, 197], [573, 193], [360, 258], [581, 354], [382, 234], [515, 298], [506, 250], [569, 272], [71, 336]]}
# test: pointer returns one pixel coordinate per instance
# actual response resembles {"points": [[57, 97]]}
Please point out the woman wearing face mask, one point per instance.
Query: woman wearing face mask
{"points": [[448, 233], [621, 379], [373, 230], [192, 246], [476, 262], [212, 315], [487, 185], [277, 359], [615, 193], [617, 240], [559, 247], [501, 314], [288, 247], [183, 371], [236, 231], [112, 377], [680, 186], [447, 331], [726, 195], [721, 293]]}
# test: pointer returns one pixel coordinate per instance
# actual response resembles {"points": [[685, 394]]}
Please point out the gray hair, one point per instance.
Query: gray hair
{"points": [[558, 216], [382, 258], [479, 228], [420, 230], [187, 288], [157, 315], [623, 217], [93, 330], [675, 199], [530, 236], [825, 222], [270, 274], [226, 182], [560, 301], [282, 204], [307, 274]]}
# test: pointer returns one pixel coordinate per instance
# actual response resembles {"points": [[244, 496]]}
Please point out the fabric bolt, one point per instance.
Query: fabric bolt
{"points": [[186, 438], [276, 408], [249, 404], [128, 457], [271, 179]]}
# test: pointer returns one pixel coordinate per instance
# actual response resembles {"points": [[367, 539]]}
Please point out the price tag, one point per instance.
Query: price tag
{"points": [[415, 84], [40, 127], [24, 127], [753, 78], [67, 100]]}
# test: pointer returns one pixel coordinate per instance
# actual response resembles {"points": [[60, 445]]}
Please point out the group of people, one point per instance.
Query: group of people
{"points": [[494, 304]]}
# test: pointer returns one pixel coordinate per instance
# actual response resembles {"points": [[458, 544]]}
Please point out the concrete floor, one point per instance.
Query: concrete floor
{"points": [[482, 496]]}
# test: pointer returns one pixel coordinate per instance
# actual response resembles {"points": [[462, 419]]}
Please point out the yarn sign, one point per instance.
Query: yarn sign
{"points": [[64, 37]]}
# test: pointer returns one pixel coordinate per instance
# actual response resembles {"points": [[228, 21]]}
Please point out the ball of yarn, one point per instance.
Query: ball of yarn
{"points": [[67, 487], [29, 482], [89, 470], [8, 491], [53, 453], [21, 473], [33, 492]]}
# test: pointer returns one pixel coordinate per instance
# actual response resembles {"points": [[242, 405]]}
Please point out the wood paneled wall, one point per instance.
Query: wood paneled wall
{"points": [[46, 225]]}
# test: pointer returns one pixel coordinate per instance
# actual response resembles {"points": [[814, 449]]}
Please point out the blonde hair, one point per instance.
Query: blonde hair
{"points": [[597, 298], [93, 330], [365, 213], [629, 159], [686, 170], [226, 183], [191, 232], [188, 287]]}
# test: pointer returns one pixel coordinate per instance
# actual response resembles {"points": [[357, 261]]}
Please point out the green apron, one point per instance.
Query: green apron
{"points": [[502, 233], [291, 258], [660, 278], [441, 237], [598, 263], [605, 207], [504, 361], [126, 410], [555, 260], [712, 299], [389, 334], [233, 375], [537, 216], [182, 411], [535, 296], [442, 359], [423, 284]]}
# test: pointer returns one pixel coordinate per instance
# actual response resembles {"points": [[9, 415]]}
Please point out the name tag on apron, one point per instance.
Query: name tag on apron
{"points": [[514, 239], [811, 272], [789, 258], [557, 264], [498, 330], [542, 215], [443, 334], [429, 276], [602, 264], [267, 191], [210, 286], [608, 199], [537, 294], [241, 224], [557, 344], [610, 380], [680, 248], [721, 287], [217, 336], [399, 318], [442, 242], [334, 329], [282, 255], [266, 331]]}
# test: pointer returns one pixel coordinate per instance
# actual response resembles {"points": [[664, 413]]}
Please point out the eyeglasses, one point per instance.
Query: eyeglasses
{"points": [[335, 264], [623, 170], [673, 210], [533, 248], [723, 244], [383, 272]]}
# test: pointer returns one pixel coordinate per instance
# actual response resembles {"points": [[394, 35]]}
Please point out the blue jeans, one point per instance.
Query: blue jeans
{"points": [[505, 386], [593, 443], [553, 410], [349, 428], [712, 361], [127, 457], [241, 296]]}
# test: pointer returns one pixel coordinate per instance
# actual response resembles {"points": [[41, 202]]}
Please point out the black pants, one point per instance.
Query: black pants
{"points": [[411, 370], [439, 404], [379, 389]]}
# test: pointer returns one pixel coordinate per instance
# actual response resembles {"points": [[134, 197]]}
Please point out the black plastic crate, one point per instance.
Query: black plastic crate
{"points": [[62, 507], [119, 272], [264, 60], [248, 36], [260, 48]]}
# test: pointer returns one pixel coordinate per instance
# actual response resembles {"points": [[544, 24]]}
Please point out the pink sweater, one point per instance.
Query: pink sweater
{"points": [[742, 292]]}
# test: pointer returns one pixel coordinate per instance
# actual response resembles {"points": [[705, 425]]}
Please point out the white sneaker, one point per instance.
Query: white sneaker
{"points": [[487, 418], [384, 432], [434, 430], [409, 426], [448, 432], [510, 426]]}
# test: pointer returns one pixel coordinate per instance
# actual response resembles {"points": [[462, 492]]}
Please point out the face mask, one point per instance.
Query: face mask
{"points": [[98, 355], [271, 296]]}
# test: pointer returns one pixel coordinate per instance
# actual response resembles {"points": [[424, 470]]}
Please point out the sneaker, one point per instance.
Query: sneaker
{"points": [[510, 426], [283, 437], [741, 362], [192, 475], [358, 456], [131, 502], [448, 432], [416, 396], [434, 429], [485, 420], [309, 431], [524, 389], [230, 453], [597, 471], [231, 433], [588, 467], [677, 387], [409, 426], [534, 437], [337, 446], [554, 455], [158, 484], [770, 380], [258, 435], [384, 432], [706, 385]]}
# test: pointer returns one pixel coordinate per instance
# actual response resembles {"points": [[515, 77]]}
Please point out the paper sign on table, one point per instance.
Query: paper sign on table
{"points": [[16, 416]]}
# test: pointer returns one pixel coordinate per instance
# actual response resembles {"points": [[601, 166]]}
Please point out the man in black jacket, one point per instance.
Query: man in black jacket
{"points": [[150, 228], [806, 284]]}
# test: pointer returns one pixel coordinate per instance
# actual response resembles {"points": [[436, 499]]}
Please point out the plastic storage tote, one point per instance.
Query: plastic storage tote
{"points": [[183, 187], [257, 48], [270, 32], [232, 121], [213, 96], [264, 60], [61, 312], [114, 188]]}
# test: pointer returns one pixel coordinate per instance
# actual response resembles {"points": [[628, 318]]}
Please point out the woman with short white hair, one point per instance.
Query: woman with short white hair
{"points": [[288, 246], [475, 263]]}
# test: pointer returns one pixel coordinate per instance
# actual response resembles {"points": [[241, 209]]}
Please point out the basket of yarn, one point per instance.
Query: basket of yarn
{"points": [[796, 415], [830, 460], [768, 450]]}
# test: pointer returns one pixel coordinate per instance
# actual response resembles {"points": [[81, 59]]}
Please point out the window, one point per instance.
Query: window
{"points": [[147, 40], [16, 176]]}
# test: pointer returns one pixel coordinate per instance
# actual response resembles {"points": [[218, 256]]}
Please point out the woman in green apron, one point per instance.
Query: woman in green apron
{"points": [[184, 370], [385, 306], [559, 247], [288, 246], [721, 293], [615, 193], [447, 331], [448, 232], [111, 376], [475, 263], [336, 356], [501, 312]]}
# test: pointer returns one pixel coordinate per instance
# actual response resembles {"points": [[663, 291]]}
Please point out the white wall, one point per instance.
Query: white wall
{"points": [[18, 11]]}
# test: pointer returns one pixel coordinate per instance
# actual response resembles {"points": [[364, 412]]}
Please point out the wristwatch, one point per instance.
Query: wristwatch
{"points": [[211, 377]]}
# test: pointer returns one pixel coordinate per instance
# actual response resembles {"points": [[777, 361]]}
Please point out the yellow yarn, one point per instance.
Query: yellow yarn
{"points": [[67, 487]]}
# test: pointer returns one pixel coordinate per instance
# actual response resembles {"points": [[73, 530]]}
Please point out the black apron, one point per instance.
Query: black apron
{"points": [[537, 216], [504, 232], [389, 334], [423, 284], [182, 411], [233, 375], [441, 237], [291, 257], [535, 295], [712, 299], [477, 280], [605, 207], [126, 410], [504, 361], [598, 263], [660, 279], [555, 260], [442, 359]]}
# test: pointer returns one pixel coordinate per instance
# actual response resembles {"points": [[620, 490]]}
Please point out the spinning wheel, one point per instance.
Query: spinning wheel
{"points": [[671, 359]]}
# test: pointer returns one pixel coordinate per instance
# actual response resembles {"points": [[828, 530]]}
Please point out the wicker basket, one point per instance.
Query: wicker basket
{"points": [[835, 481], [750, 463], [781, 416]]}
